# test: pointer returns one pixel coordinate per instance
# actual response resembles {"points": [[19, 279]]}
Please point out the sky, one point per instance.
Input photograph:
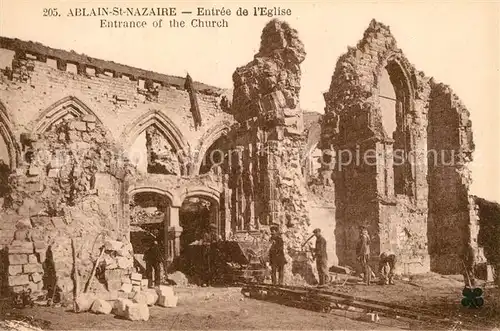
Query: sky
{"points": [[456, 42]]}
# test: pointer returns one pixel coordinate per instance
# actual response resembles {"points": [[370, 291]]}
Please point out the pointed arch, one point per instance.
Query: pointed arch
{"points": [[208, 139], [162, 122], [69, 105], [13, 147]]}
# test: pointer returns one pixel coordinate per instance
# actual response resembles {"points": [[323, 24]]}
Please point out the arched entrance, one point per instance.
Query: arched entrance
{"points": [[196, 215], [148, 218], [198, 218]]}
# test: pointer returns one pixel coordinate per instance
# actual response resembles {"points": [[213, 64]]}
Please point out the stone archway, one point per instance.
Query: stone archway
{"points": [[198, 214], [166, 149], [12, 147]]}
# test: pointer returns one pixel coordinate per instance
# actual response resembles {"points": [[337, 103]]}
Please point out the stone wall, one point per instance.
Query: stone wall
{"points": [[41, 78], [452, 211]]}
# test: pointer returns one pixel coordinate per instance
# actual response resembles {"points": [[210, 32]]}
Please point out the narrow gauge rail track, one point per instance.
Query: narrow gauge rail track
{"points": [[325, 300]]}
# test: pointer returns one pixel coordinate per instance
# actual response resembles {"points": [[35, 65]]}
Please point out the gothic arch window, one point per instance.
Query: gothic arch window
{"points": [[395, 103]]}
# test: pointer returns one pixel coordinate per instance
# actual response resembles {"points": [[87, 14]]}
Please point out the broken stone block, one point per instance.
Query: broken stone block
{"points": [[90, 126], [140, 297], [126, 287], [84, 302], [136, 282], [178, 278], [34, 171], [39, 245], [18, 259], [41, 256], [35, 277], [32, 258], [40, 221], [36, 235], [136, 276], [136, 288], [137, 312], [31, 268], [113, 245], [53, 173], [24, 223], [74, 135], [21, 235], [167, 301], [18, 289], [120, 306], [144, 282], [21, 247], [89, 118], [18, 280], [15, 270], [58, 222], [165, 290], [101, 307], [124, 263], [80, 126], [152, 297]]}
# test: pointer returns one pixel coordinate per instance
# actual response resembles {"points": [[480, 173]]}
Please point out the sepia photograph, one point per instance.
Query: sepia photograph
{"points": [[249, 165]]}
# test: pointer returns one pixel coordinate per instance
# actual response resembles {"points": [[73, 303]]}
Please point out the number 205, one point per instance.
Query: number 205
{"points": [[50, 12]]}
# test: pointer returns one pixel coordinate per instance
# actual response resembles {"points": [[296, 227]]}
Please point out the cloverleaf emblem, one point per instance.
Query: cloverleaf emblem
{"points": [[472, 297]]}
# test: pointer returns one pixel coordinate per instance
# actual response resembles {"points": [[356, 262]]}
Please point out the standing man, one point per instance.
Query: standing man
{"points": [[153, 257], [210, 253], [386, 267], [277, 255], [321, 257], [363, 254]]}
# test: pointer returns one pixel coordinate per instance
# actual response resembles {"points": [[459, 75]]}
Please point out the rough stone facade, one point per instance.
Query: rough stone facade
{"points": [[83, 138]]}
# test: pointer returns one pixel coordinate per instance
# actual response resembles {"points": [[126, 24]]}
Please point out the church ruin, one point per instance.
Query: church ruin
{"points": [[93, 149]]}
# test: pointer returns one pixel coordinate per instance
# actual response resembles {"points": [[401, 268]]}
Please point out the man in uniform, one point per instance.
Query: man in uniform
{"points": [[363, 254], [321, 257], [153, 258], [386, 268], [277, 256]]}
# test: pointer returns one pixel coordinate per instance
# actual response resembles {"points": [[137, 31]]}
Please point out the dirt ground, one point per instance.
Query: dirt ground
{"points": [[203, 308], [434, 292]]}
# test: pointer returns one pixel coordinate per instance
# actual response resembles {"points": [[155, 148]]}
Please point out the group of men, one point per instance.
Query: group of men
{"points": [[387, 261]]}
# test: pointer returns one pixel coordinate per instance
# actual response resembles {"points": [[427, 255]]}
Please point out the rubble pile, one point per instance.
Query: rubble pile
{"points": [[132, 302], [70, 187]]}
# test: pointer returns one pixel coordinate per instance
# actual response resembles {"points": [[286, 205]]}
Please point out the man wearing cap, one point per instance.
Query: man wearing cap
{"points": [[321, 257], [363, 254], [277, 255]]}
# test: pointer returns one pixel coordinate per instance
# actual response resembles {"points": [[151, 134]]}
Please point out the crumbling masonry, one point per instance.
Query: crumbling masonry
{"points": [[75, 128]]}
